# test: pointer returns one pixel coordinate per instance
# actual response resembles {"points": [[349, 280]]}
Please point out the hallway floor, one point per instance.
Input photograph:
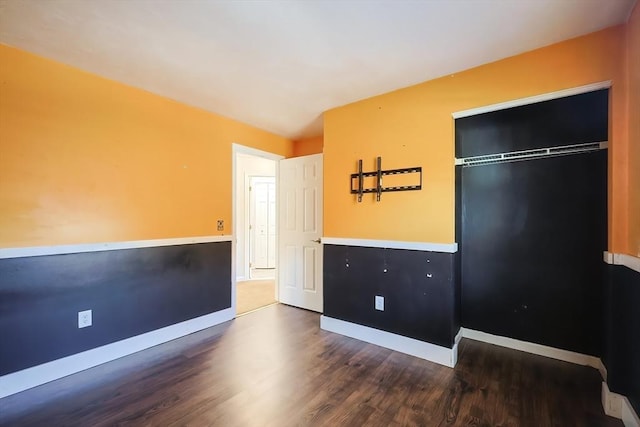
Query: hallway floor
{"points": [[254, 294]]}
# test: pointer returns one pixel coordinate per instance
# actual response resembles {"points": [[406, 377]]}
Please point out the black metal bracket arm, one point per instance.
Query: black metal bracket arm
{"points": [[379, 173]]}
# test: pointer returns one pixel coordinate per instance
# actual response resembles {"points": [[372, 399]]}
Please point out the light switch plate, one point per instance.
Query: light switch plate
{"points": [[379, 303], [85, 319]]}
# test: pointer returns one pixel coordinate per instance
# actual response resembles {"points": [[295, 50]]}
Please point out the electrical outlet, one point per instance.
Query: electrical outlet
{"points": [[379, 303], [84, 319], [220, 225]]}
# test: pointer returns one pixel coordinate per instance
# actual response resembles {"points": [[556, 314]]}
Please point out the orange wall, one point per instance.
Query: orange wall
{"points": [[414, 127], [633, 50], [85, 159], [304, 147]]}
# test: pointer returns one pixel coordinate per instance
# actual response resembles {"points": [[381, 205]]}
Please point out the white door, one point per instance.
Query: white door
{"points": [[300, 251], [262, 214]]}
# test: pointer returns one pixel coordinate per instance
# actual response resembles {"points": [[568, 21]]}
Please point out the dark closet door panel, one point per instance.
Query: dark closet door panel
{"points": [[572, 120], [533, 235], [417, 287]]}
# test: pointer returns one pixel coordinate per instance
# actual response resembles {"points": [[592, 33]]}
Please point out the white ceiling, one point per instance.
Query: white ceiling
{"points": [[279, 64]]}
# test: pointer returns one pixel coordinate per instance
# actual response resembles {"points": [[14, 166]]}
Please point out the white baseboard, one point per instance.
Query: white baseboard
{"points": [[618, 406], [629, 417], [602, 369], [628, 261], [41, 374], [456, 341], [542, 350], [611, 402], [424, 350]]}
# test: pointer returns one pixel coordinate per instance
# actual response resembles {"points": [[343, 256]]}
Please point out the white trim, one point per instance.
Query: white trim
{"points": [[243, 149], [618, 406], [607, 257], [458, 337], [602, 369], [628, 261], [424, 350], [542, 350], [611, 402], [393, 244], [456, 341], [107, 246], [532, 99], [41, 374], [629, 416]]}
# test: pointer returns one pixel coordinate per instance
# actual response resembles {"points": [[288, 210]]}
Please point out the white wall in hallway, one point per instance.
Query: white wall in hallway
{"points": [[246, 167]]}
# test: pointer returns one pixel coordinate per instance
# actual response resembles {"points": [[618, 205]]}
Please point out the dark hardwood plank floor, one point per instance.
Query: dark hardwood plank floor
{"points": [[275, 367]]}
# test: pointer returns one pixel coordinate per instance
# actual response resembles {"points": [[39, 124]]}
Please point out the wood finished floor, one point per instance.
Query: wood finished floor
{"points": [[275, 367]]}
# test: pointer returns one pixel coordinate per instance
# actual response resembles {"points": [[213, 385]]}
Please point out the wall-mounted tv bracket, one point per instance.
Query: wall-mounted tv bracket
{"points": [[379, 173]]}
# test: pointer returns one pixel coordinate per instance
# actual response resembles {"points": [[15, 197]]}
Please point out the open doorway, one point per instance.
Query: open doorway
{"points": [[255, 229]]}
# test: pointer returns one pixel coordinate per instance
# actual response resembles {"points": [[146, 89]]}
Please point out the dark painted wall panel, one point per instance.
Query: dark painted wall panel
{"points": [[416, 305], [622, 351], [533, 233], [130, 292], [571, 120]]}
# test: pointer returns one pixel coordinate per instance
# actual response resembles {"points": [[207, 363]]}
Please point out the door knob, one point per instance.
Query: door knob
{"points": [[317, 241]]}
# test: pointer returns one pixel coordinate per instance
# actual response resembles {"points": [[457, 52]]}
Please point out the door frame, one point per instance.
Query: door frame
{"points": [[243, 149]]}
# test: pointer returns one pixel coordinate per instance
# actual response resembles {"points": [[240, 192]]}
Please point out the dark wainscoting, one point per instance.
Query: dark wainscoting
{"points": [[418, 288], [131, 291], [622, 342]]}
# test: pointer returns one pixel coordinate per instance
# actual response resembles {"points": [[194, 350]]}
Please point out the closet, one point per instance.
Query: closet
{"points": [[531, 208]]}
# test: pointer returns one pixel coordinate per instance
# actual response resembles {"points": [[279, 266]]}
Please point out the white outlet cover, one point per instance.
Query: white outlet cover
{"points": [[379, 303], [85, 319]]}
